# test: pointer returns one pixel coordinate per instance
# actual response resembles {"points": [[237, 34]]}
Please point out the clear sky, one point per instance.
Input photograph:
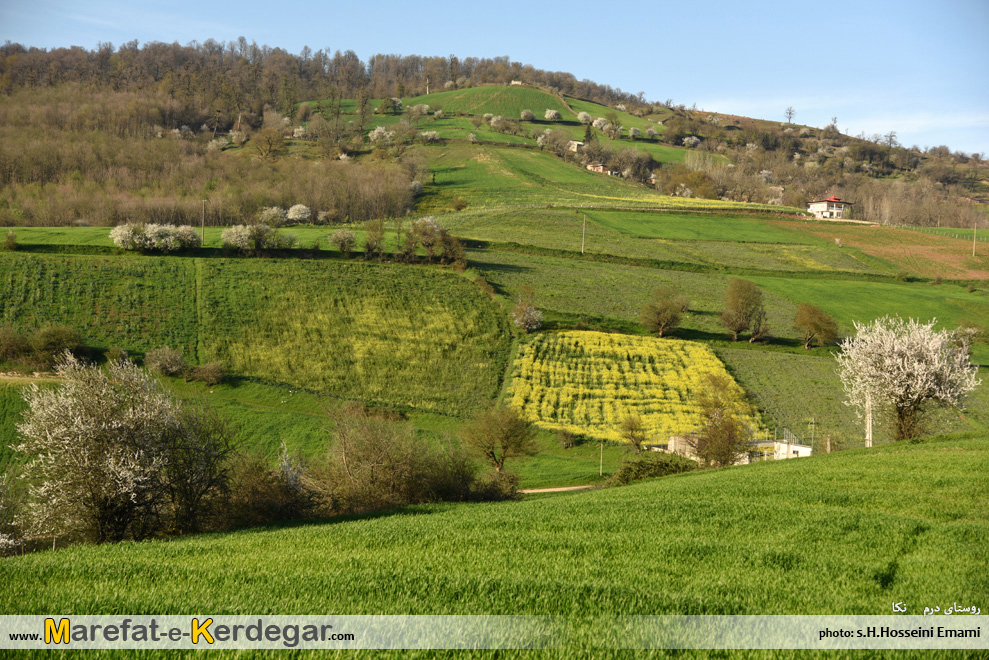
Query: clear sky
{"points": [[917, 67]]}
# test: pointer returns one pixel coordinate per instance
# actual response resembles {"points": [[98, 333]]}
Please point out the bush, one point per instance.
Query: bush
{"points": [[9, 242], [299, 213], [458, 203], [497, 486], [650, 464], [13, 344], [552, 115], [344, 240], [273, 216], [52, 341], [165, 361], [527, 115], [376, 464], [110, 456], [211, 373], [584, 117], [115, 354], [153, 237]]}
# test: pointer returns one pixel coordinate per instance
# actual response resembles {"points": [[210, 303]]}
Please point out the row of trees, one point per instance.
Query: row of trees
{"points": [[111, 455], [744, 311]]}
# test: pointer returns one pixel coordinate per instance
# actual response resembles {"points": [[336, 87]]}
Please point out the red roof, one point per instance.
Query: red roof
{"points": [[832, 198]]}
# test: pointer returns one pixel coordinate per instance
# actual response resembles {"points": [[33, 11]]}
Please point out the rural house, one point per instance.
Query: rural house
{"points": [[832, 207], [596, 166]]}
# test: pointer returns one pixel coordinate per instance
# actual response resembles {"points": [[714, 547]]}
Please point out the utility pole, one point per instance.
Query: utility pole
{"points": [[975, 230], [601, 467], [868, 420], [583, 234], [204, 223]]}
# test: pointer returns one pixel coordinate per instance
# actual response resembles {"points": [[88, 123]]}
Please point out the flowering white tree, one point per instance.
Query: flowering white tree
{"points": [[344, 240], [429, 136], [584, 117], [651, 132], [527, 115], [299, 213], [154, 237], [273, 216], [906, 365], [634, 133], [552, 115], [9, 535], [381, 135], [600, 123], [691, 141], [97, 449]]}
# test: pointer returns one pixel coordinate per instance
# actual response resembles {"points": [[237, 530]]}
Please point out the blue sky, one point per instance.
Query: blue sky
{"points": [[918, 68]]}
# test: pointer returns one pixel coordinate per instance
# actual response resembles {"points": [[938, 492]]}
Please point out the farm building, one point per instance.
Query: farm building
{"points": [[782, 450], [596, 166], [832, 207], [575, 145]]}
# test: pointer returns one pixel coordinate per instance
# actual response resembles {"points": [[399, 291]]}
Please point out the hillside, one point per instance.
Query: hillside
{"points": [[840, 534]]}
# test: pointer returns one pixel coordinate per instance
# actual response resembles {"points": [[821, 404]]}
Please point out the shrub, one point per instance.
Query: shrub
{"points": [[165, 361], [52, 341], [211, 373], [115, 354], [527, 115], [273, 216], [9, 242], [429, 136], [458, 203], [600, 123], [584, 117], [108, 453], [552, 115], [237, 237], [651, 132], [650, 464], [344, 240], [377, 464], [525, 316], [299, 213], [188, 237], [381, 135], [153, 237], [13, 344]]}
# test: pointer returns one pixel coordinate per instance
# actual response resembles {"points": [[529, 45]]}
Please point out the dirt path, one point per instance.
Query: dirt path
{"points": [[558, 490]]}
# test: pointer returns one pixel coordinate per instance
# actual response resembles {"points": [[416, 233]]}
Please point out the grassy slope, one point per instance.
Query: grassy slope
{"points": [[844, 533]]}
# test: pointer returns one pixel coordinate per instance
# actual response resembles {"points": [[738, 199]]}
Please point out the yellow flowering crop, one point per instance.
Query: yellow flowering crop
{"points": [[588, 382]]}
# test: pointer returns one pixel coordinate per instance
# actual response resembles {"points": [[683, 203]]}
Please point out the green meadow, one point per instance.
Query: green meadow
{"points": [[901, 523]]}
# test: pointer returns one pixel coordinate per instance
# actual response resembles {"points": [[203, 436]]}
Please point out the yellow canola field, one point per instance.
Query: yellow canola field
{"points": [[588, 382]]}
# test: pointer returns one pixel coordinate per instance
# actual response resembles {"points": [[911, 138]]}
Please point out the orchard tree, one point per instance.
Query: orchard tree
{"points": [[584, 117], [814, 323], [906, 366], [664, 312], [527, 115], [552, 115]]}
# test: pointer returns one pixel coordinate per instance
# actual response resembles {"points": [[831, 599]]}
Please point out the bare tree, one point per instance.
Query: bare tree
{"points": [[498, 434], [664, 312], [790, 112], [814, 323], [906, 365]]}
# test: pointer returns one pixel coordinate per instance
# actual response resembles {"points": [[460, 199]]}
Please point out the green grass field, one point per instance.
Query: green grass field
{"points": [[860, 530], [499, 100]]}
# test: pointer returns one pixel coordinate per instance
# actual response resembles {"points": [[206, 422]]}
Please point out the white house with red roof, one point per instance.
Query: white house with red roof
{"points": [[832, 207]]}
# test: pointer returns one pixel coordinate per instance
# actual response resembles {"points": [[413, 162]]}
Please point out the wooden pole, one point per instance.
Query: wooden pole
{"points": [[204, 223]]}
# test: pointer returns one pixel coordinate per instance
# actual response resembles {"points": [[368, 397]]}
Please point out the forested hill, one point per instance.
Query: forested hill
{"points": [[240, 76]]}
